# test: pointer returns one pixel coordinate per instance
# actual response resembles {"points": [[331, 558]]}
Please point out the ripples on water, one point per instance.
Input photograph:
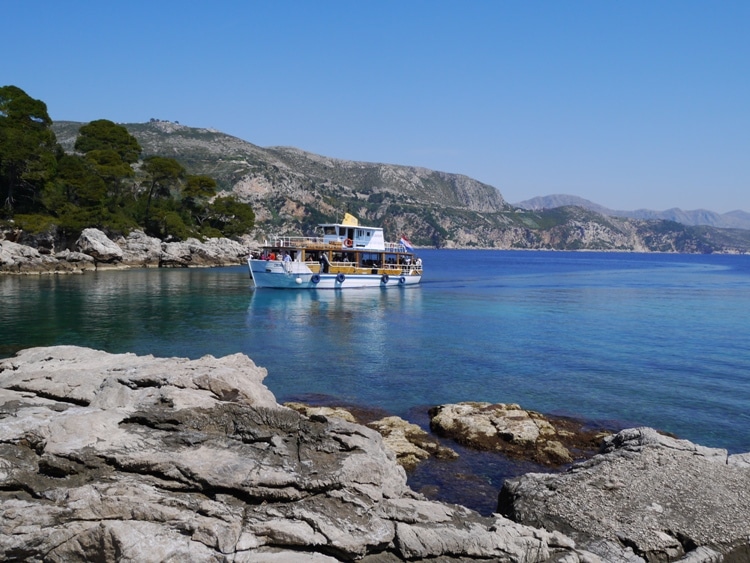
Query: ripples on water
{"points": [[657, 340]]}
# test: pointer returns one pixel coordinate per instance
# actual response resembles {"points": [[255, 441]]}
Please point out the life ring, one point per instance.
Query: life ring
{"points": [[402, 279], [384, 278], [348, 243], [315, 278], [340, 278]]}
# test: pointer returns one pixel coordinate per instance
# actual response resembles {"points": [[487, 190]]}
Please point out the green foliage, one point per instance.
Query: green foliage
{"points": [[163, 175], [208, 231], [42, 187], [199, 187], [104, 135], [34, 223], [231, 216], [169, 225], [78, 183], [28, 150], [110, 151]]}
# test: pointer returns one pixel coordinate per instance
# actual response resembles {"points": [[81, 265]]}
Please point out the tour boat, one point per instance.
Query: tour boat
{"points": [[346, 256]]}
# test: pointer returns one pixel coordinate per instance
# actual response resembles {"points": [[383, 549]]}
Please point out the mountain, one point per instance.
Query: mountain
{"points": [[731, 220], [292, 191]]}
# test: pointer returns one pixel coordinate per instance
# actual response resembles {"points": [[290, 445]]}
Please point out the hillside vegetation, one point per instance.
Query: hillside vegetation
{"points": [[289, 191], [100, 179]]}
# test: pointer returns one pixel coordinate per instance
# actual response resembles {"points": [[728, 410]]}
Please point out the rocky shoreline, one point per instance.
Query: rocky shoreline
{"points": [[118, 457], [93, 250]]}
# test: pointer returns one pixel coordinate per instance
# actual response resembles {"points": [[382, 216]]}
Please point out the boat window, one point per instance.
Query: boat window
{"points": [[329, 230], [370, 259]]}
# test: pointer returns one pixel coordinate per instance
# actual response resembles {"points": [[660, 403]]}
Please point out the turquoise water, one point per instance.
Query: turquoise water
{"points": [[636, 339]]}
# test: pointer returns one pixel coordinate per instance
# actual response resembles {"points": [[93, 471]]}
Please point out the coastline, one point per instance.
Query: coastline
{"points": [[199, 454], [94, 251]]}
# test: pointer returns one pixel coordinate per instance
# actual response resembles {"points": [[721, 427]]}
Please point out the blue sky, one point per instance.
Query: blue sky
{"points": [[639, 104]]}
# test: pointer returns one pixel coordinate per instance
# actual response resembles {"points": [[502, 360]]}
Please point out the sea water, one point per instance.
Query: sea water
{"points": [[620, 339]]}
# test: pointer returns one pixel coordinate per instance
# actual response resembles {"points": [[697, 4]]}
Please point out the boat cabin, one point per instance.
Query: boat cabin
{"points": [[354, 236]]}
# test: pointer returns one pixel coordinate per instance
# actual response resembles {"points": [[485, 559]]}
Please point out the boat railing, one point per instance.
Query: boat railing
{"points": [[295, 242], [390, 269], [320, 243], [394, 247]]}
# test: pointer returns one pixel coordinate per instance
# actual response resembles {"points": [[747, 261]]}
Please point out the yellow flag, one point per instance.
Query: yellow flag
{"points": [[350, 220]]}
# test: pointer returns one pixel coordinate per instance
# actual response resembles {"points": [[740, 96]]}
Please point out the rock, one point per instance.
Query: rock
{"points": [[19, 259], [77, 262], [409, 442], [325, 412], [140, 250], [664, 499], [192, 252], [514, 431], [117, 457], [229, 251], [175, 255], [45, 241], [97, 245]]}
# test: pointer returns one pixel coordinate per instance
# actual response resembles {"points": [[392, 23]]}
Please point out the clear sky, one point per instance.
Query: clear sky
{"points": [[630, 104]]}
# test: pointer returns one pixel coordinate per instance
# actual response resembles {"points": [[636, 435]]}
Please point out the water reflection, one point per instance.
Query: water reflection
{"points": [[347, 341], [142, 311]]}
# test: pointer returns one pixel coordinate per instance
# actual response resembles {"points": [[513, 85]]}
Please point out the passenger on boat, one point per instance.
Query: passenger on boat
{"points": [[287, 258], [324, 263]]}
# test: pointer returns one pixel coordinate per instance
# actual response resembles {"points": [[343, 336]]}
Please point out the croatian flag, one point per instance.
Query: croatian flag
{"points": [[406, 244]]}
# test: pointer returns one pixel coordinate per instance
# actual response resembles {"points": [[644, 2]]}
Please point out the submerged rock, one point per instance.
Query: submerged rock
{"points": [[409, 442], [516, 432], [134, 458]]}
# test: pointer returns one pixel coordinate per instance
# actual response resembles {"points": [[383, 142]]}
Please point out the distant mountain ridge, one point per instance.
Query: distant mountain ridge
{"points": [[292, 191], [731, 220]]}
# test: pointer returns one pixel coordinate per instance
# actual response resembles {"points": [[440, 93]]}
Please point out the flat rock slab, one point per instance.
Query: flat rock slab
{"points": [[660, 497]]}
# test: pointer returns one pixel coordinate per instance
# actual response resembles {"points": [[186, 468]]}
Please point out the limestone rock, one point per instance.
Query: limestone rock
{"points": [[322, 411], [176, 255], [95, 251], [127, 458], [192, 252], [409, 442], [20, 259], [514, 431], [229, 251], [664, 499], [140, 250], [97, 245], [77, 261]]}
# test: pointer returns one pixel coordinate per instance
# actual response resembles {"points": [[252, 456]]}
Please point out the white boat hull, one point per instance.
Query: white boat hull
{"points": [[296, 275]]}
